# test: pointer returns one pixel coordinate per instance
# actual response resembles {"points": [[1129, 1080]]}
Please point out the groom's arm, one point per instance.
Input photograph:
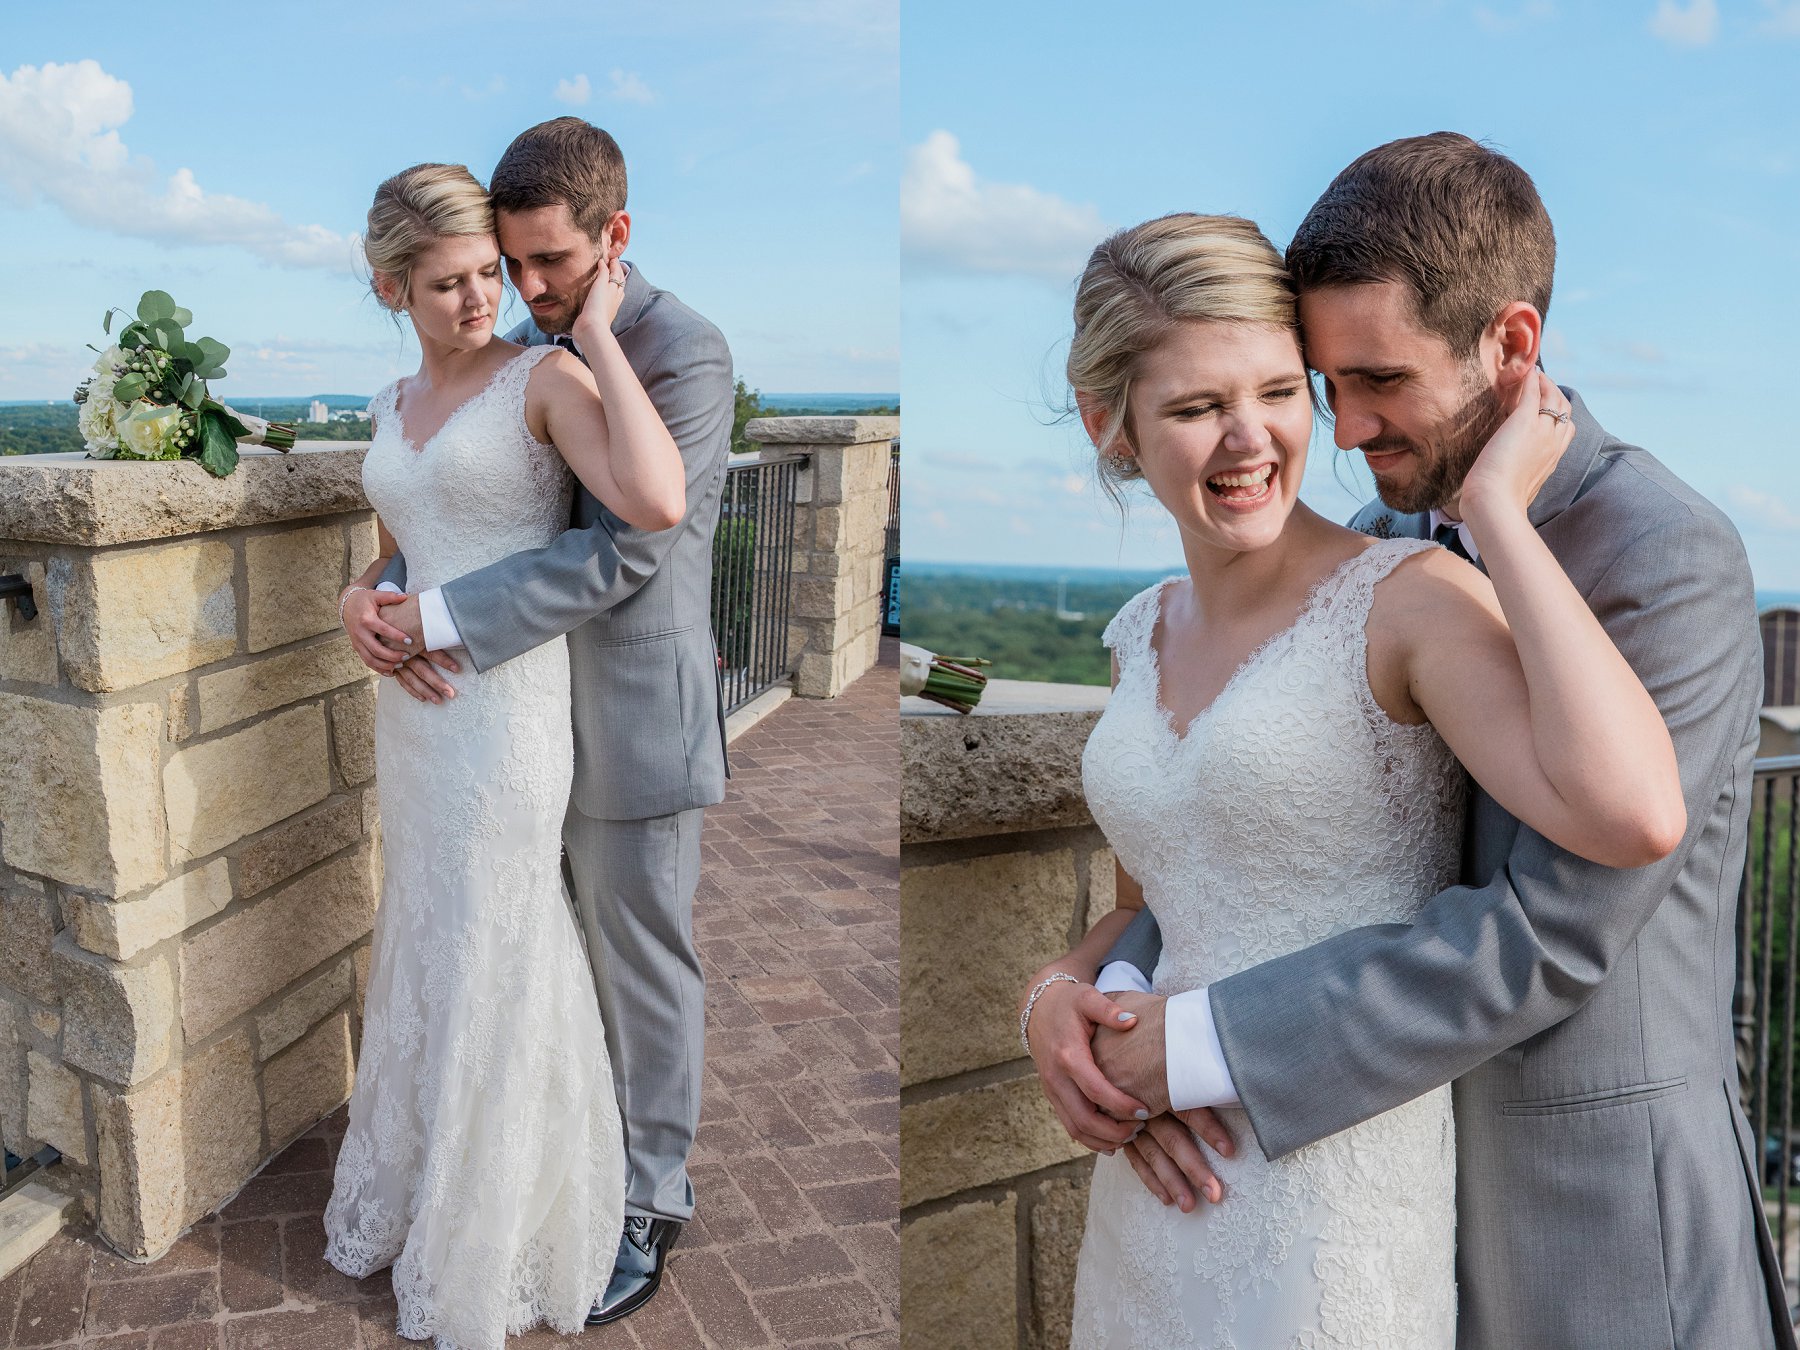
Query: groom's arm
{"points": [[530, 597], [1323, 1038]]}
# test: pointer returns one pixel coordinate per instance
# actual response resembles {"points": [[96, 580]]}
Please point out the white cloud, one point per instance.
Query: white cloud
{"points": [[629, 87], [952, 220], [1763, 508], [1493, 20], [1783, 20], [573, 92], [59, 140], [1693, 25]]}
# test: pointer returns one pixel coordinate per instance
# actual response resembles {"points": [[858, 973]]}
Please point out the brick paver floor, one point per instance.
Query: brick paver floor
{"points": [[796, 1170]]}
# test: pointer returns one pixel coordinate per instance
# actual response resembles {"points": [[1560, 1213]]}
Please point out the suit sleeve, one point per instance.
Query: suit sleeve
{"points": [[530, 597], [1331, 1035], [394, 572]]}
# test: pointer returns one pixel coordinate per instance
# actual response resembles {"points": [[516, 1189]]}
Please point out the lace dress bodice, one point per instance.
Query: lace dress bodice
{"points": [[480, 488], [1291, 809]]}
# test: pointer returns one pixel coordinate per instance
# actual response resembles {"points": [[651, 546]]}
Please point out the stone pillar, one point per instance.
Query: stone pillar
{"points": [[1001, 870], [839, 544], [187, 822]]}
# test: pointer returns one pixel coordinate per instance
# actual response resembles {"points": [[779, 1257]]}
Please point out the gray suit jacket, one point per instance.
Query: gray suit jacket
{"points": [[1608, 1185], [636, 604]]}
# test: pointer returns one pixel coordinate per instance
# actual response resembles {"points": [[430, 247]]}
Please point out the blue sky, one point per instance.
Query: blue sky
{"points": [[227, 154], [1664, 138]]}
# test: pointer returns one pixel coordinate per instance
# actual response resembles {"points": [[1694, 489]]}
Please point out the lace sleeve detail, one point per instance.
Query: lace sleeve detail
{"points": [[381, 407], [1128, 632]]}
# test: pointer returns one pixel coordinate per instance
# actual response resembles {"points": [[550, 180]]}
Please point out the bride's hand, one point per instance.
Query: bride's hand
{"points": [[1167, 1157], [1095, 1113], [1520, 457], [603, 299]]}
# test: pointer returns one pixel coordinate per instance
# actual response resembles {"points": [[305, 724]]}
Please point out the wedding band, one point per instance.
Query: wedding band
{"points": [[1552, 413]]}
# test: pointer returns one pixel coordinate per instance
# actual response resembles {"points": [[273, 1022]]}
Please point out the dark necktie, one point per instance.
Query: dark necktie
{"points": [[567, 343], [1451, 538]]}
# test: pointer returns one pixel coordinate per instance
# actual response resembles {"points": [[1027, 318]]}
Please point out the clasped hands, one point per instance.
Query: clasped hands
{"points": [[386, 634], [1107, 1080]]}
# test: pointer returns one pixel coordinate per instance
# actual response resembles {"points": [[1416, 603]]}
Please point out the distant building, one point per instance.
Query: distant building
{"points": [[316, 411]]}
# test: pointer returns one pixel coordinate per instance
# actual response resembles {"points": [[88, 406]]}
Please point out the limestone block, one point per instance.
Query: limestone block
{"points": [[309, 1082], [27, 927], [300, 1011], [14, 1077], [70, 499], [821, 597], [118, 1021], [228, 696], [814, 673], [353, 731], [135, 614], [959, 1277], [299, 843], [80, 796], [1057, 1220], [1103, 885], [27, 646], [56, 1114], [1013, 764], [363, 544], [174, 1148], [972, 934], [123, 928], [371, 809], [294, 580], [47, 1022], [219, 791], [978, 1137], [238, 962], [181, 713], [818, 431], [363, 955]]}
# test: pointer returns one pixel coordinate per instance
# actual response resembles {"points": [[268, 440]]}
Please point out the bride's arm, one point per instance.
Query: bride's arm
{"points": [[602, 422], [1548, 717]]}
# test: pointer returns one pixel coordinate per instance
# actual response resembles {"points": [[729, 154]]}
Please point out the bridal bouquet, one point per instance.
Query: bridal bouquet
{"points": [[148, 398], [953, 682]]}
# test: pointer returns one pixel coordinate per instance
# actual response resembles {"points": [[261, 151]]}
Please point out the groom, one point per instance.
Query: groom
{"points": [[1607, 1182], [648, 711]]}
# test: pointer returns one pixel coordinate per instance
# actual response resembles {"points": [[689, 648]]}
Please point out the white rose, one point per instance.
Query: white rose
{"points": [[148, 430], [98, 416], [110, 364]]}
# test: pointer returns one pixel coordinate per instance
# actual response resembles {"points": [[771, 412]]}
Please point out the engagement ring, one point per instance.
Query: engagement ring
{"points": [[1551, 412]]}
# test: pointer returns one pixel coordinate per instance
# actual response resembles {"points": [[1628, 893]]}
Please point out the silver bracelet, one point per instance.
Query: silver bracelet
{"points": [[344, 599], [1030, 1003]]}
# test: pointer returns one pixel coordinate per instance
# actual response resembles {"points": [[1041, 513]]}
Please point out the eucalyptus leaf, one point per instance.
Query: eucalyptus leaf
{"points": [[129, 389], [182, 317], [155, 306], [218, 449], [213, 354], [106, 324], [193, 391]]}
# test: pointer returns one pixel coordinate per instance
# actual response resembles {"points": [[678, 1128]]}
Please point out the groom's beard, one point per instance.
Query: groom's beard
{"points": [[1446, 458]]}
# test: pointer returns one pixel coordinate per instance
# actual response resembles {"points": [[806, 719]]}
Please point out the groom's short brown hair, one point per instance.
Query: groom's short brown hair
{"points": [[563, 160], [1460, 225]]}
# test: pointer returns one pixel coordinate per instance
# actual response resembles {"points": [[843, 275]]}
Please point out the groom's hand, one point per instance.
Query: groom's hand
{"points": [[1135, 1061], [1167, 1158]]}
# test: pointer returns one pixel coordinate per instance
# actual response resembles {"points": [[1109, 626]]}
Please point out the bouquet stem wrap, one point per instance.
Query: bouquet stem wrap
{"points": [[953, 682]]}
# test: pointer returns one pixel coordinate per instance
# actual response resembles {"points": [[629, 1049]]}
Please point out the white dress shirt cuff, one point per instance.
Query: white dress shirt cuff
{"points": [[435, 623], [1118, 975], [1198, 1075]]}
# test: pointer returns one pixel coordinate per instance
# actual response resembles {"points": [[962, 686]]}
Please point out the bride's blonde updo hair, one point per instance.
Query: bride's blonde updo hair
{"points": [[1143, 281], [412, 211]]}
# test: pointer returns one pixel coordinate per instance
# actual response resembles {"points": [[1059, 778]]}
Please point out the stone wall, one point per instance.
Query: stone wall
{"points": [[840, 541], [1002, 869], [187, 822]]}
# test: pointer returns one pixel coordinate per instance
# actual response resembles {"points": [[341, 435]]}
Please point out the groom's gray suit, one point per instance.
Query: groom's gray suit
{"points": [[649, 731], [1607, 1183]]}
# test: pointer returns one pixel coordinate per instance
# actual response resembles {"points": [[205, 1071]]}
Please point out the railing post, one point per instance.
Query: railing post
{"points": [[839, 538]]}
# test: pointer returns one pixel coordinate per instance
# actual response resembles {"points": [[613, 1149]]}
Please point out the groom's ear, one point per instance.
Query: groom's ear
{"points": [[615, 234], [1515, 339]]}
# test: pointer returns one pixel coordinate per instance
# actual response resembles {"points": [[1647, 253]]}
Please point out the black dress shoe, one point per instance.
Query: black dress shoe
{"points": [[643, 1252]]}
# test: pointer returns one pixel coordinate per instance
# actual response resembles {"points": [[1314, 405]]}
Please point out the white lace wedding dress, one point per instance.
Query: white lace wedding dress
{"points": [[1292, 809], [483, 1159]]}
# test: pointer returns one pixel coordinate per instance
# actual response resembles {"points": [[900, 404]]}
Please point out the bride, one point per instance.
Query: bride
{"points": [[483, 1159], [1279, 762]]}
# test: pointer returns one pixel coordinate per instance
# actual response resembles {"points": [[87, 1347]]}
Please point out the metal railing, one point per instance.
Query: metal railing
{"points": [[753, 573], [890, 576], [1764, 1004]]}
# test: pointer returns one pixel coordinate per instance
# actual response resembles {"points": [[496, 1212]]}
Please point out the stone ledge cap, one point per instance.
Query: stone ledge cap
{"points": [[71, 499], [1013, 764], [821, 430]]}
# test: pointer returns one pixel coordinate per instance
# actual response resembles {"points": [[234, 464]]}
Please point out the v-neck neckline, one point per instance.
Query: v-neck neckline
{"points": [[1164, 716], [420, 447]]}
